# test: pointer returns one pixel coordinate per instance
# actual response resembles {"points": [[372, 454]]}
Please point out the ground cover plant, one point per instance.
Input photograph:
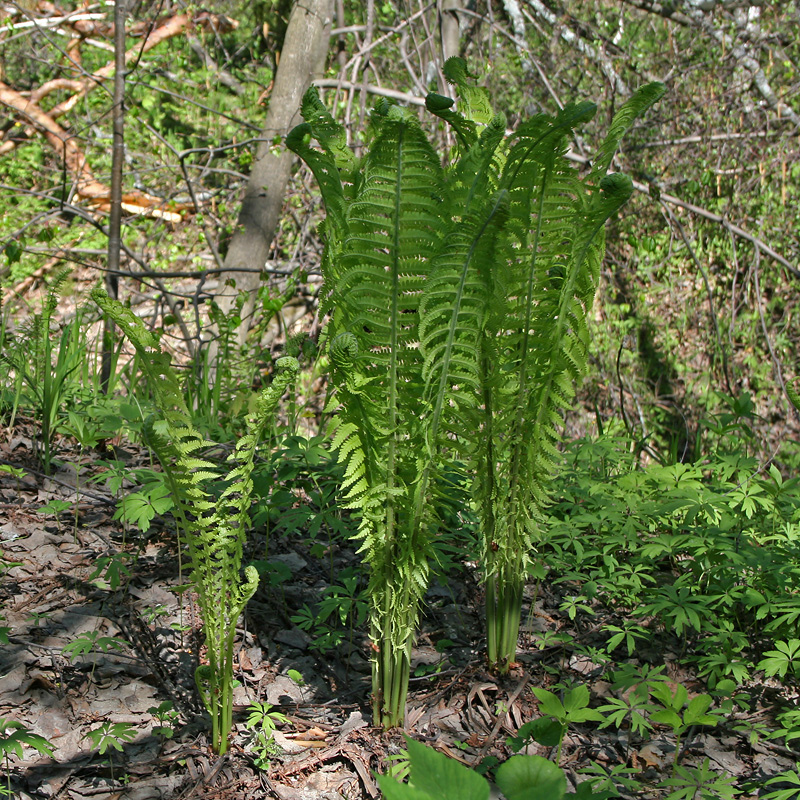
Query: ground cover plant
{"points": [[666, 667]]}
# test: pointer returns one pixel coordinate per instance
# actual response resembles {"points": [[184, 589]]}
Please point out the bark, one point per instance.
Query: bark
{"points": [[304, 49], [518, 26], [450, 28], [595, 54]]}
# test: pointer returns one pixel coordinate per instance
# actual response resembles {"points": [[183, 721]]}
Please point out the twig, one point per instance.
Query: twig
{"points": [[335, 83], [760, 304], [499, 724], [711, 307]]}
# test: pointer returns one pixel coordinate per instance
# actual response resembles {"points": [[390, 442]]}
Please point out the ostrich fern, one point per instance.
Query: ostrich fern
{"points": [[506, 354], [214, 531], [382, 224], [457, 301]]}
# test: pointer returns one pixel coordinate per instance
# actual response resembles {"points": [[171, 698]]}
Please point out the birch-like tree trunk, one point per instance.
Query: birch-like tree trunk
{"points": [[304, 50]]}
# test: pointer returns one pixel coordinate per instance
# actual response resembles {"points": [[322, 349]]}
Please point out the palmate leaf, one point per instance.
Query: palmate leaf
{"points": [[14, 736]]}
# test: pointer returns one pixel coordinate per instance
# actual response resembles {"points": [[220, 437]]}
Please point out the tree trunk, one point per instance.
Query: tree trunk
{"points": [[304, 50], [115, 215]]}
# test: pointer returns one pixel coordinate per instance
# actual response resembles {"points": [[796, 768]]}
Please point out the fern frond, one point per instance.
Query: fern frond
{"points": [[328, 132], [346, 443], [323, 165], [234, 502], [644, 97], [454, 311], [155, 364], [465, 129], [476, 102]]}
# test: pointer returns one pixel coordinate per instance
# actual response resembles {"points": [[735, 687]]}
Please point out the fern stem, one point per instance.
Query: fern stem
{"points": [[391, 670]]}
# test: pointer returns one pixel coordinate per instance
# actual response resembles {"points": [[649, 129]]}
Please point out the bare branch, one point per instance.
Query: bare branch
{"points": [[403, 97], [693, 15], [582, 46]]}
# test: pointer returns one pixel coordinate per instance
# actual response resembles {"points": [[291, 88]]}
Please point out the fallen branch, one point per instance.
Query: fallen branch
{"points": [[171, 28], [87, 187]]}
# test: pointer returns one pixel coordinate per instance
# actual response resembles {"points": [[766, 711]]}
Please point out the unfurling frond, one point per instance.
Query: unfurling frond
{"points": [[645, 97], [477, 106], [213, 531]]}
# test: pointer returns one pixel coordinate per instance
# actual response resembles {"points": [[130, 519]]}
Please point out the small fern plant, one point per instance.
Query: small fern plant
{"points": [[213, 530], [457, 300]]}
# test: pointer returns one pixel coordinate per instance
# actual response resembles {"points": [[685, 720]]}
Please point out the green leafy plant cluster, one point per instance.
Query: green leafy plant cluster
{"points": [[295, 492], [262, 721], [458, 298], [712, 549], [44, 368], [431, 774], [14, 736], [434, 776], [213, 529]]}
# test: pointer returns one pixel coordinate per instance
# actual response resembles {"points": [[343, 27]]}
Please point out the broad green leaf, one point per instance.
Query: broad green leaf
{"points": [[394, 790], [550, 704], [543, 730], [531, 778], [439, 776]]}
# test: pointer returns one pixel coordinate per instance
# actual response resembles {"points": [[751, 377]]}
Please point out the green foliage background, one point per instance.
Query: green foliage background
{"points": [[656, 359]]}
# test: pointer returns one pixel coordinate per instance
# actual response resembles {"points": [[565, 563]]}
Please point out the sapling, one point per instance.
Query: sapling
{"points": [[680, 719], [16, 472], [789, 776], [214, 530], [111, 736], [572, 707], [56, 507], [689, 783], [262, 720], [89, 642], [166, 717]]}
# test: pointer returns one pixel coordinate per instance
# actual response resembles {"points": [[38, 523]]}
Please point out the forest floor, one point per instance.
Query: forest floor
{"points": [[328, 748], [148, 641]]}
